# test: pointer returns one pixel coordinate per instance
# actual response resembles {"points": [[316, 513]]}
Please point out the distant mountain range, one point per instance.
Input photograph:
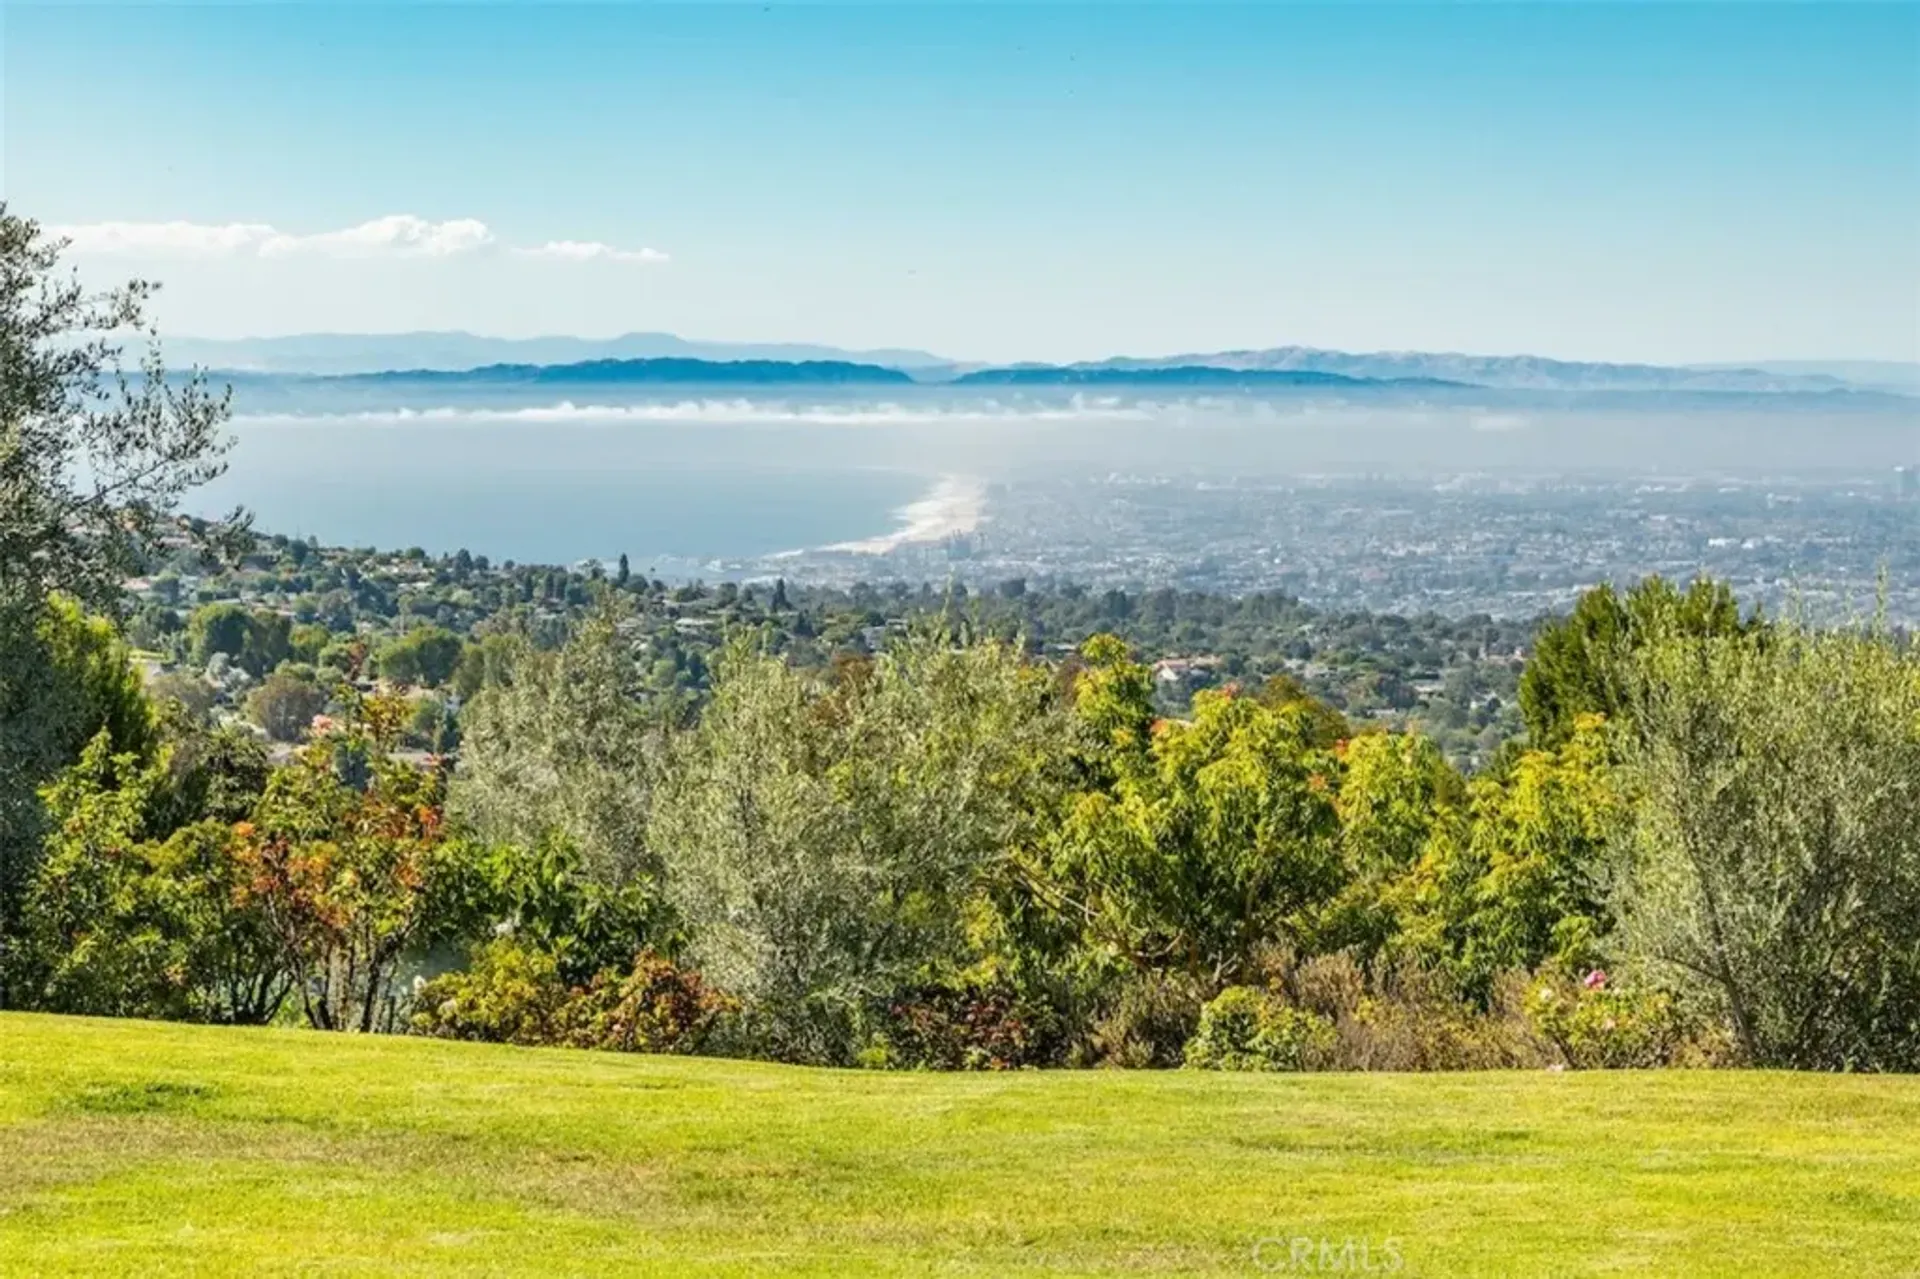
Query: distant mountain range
{"points": [[1177, 375], [662, 357], [621, 381], [1902, 378], [347, 353], [624, 372], [1506, 372]]}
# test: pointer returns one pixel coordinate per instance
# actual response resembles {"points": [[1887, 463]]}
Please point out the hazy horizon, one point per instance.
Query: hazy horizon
{"points": [[948, 357]]}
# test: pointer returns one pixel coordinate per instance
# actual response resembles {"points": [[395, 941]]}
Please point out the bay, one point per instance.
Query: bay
{"points": [[559, 492]]}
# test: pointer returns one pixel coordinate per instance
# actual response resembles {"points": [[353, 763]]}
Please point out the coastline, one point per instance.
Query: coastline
{"points": [[954, 505]]}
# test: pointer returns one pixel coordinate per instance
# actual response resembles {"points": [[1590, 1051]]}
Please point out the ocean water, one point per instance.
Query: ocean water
{"points": [[561, 492]]}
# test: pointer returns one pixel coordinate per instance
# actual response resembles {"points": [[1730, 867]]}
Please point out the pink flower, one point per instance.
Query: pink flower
{"points": [[1596, 980]]}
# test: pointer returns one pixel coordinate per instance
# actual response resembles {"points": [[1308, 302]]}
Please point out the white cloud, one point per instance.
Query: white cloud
{"points": [[591, 251], [395, 235], [181, 238]]}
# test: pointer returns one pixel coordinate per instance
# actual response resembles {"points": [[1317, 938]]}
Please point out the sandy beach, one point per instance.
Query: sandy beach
{"points": [[955, 504]]}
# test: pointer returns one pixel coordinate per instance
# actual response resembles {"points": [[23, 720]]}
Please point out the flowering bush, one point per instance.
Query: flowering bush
{"points": [[1245, 1028], [1598, 1025]]}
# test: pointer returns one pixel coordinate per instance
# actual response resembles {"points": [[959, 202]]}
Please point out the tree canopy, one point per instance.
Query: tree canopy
{"points": [[94, 459]]}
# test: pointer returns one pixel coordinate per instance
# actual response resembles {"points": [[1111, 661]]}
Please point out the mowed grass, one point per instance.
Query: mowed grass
{"points": [[140, 1148]]}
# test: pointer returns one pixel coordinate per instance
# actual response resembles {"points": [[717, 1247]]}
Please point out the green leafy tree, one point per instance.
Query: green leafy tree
{"points": [[1522, 878], [191, 694], [825, 834], [93, 684], [218, 628], [307, 642], [547, 899], [1329, 726], [215, 773], [1217, 835], [1775, 840], [1580, 663], [1396, 790], [73, 955], [564, 744], [85, 685], [426, 656], [256, 642], [269, 643], [343, 659], [433, 726], [152, 627], [123, 922], [486, 661], [286, 703], [1113, 704]]}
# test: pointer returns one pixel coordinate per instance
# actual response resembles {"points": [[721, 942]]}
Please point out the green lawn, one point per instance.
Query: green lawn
{"points": [[138, 1148]]}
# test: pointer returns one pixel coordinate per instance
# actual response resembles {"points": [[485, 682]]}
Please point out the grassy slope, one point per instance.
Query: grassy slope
{"points": [[141, 1148]]}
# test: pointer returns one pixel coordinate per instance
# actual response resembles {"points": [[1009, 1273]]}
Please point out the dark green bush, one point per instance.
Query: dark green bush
{"points": [[1245, 1028], [969, 1027]]}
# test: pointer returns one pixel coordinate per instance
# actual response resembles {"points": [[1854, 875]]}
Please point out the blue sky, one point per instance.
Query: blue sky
{"points": [[1603, 181]]}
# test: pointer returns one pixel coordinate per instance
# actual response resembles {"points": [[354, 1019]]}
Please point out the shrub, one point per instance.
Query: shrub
{"points": [[513, 994], [547, 898], [1216, 833], [1517, 880], [1599, 1026], [968, 1027], [1148, 1023], [1416, 1019], [117, 922], [1404, 1016], [1245, 1028], [656, 1007], [510, 994]]}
